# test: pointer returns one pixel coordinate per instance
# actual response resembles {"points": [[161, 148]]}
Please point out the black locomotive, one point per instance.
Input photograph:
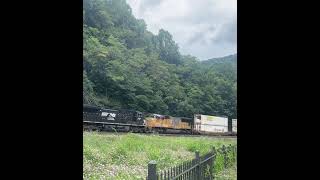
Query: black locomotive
{"points": [[96, 118]]}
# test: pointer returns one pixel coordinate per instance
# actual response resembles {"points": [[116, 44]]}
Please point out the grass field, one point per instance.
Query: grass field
{"points": [[111, 156]]}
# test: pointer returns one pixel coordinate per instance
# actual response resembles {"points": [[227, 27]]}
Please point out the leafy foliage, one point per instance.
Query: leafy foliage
{"points": [[126, 66]]}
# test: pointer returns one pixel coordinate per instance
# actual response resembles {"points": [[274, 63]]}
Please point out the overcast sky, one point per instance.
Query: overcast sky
{"points": [[202, 28]]}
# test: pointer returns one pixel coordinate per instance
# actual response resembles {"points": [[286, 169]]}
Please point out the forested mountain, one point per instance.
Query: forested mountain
{"points": [[226, 66], [126, 66], [230, 60]]}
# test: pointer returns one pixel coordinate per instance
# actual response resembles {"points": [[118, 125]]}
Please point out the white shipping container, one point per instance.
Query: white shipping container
{"points": [[213, 129], [212, 124], [213, 120], [234, 125]]}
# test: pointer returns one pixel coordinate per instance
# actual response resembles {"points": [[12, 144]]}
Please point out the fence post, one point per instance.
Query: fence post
{"points": [[198, 164], [152, 170], [234, 153], [224, 152], [214, 153]]}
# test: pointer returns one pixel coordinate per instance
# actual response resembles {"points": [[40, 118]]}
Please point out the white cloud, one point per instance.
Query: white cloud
{"points": [[203, 28]]}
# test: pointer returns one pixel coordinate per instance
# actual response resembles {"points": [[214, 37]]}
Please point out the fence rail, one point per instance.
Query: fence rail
{"points": [[200, 168]]}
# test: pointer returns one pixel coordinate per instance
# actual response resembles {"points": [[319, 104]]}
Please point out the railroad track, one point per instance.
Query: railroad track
{"points": [[173, 135], [189, 135]]}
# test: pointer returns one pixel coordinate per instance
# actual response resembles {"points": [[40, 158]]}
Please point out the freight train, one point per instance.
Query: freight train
{"points": [[101, 119]]}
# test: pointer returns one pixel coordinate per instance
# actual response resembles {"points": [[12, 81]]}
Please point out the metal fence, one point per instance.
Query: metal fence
{"points": [[201, 168]]}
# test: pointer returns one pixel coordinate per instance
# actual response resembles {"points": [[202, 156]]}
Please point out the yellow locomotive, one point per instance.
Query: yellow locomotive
{"points": [[167, 124]]}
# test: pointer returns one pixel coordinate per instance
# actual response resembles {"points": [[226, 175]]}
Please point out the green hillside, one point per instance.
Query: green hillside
{"points": [[126, 66]]}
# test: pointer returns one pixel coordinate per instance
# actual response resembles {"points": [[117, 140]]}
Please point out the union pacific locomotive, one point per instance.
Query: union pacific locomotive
{"points": [[101, 119]]}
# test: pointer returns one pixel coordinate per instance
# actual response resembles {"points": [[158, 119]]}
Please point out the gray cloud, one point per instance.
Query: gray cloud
{"points": [[205, 28], [148, 4], [227, 34], [196, 38], [202, 36]]}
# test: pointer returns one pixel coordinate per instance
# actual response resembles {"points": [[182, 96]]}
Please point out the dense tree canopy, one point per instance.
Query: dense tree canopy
{"points": [[126, 66]]}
